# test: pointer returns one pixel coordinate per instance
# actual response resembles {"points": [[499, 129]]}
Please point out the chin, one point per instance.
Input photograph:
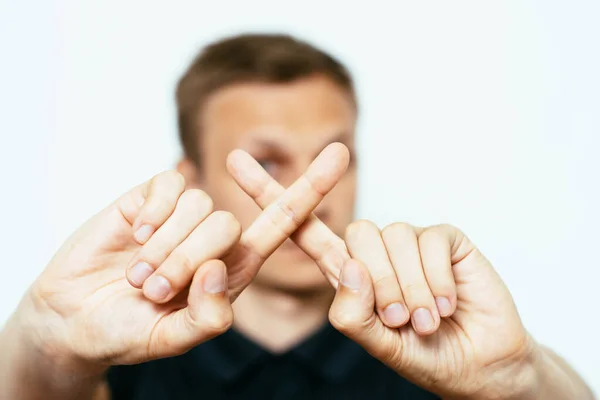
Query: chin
{"points": [[292, 273]]}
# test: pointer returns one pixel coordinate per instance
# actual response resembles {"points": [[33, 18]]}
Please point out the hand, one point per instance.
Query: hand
{"points": [[146, 277], [465, 337]]}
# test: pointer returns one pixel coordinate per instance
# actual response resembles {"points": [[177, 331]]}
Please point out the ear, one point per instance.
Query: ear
{"points": [[191, 173]]}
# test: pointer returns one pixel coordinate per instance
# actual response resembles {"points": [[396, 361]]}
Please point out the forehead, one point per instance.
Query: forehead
{"points": [[305, 112]]}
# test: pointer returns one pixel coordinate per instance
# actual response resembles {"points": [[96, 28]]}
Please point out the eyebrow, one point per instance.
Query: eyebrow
{"points": [[274, 144], [342, 137]]}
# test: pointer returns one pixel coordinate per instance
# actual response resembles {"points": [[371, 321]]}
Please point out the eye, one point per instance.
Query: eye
{"points": [[268, 164]]}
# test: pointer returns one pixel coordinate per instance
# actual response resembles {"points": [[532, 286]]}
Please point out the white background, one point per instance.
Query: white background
{"points": [[483, 114]]}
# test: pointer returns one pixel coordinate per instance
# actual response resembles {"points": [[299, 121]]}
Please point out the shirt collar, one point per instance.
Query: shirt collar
{"points": [[227, 357], [329, 353]]}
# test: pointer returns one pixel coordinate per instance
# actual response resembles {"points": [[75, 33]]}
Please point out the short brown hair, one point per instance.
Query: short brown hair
{"points": [[271, 58]]}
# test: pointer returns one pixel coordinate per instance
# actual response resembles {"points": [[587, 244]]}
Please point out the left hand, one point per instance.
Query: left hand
{"points": [[465, 339]]}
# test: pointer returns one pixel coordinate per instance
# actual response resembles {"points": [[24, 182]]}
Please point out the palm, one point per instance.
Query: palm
{"points": [[91, 287]]}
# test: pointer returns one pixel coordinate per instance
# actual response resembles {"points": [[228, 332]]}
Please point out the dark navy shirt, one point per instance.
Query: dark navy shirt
{"points": [[325, 366]]}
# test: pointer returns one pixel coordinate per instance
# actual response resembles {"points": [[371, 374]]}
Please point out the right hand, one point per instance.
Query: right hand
{"points": [[154, 274]]}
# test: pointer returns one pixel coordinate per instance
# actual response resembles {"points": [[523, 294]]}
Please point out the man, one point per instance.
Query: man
{"points": [[138, 302]]}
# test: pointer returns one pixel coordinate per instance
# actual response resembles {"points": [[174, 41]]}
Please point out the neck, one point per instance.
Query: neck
{"points": [[278, 320]]}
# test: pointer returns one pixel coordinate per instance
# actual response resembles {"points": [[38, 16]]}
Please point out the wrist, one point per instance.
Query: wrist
{"points": [[535, 375], [555, 379], [524, 380], [516, 378]]}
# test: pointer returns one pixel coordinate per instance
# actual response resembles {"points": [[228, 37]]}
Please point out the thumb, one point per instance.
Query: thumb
{"points": [[353, 313], [207, 315]]}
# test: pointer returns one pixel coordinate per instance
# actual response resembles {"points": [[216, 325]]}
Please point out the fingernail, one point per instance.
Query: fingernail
{"points": [[215, 281], [157, 287], [422, 320], [444, 306], [143, 233], [140, 272], [395, 314], [351, 276]]}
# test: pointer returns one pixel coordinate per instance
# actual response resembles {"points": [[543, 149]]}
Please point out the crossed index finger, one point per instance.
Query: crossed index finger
{"points": [[284, 213], [290, 210]]}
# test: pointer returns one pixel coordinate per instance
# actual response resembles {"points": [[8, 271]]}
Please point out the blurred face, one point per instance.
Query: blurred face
{"points": [[284, 127]]}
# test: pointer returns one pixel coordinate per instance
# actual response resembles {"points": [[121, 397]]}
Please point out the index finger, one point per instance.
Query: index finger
{"points": [[147, 206], [312, 236]]}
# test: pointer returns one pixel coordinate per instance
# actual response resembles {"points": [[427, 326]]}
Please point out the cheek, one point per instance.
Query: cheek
{"points": [[347, 188], [343, 197]]}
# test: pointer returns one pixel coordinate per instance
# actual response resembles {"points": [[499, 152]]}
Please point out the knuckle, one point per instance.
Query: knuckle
{"points": [[446, 227], [334, 251], [198, 199], [168, 179], [386, 282], [184, 262], [350, 322], [443, 289], [357, 228], [217, 322], [174, 178], [344, 320], [444, 230], [433, 234], [397, 229], [228, 223], [289, 213], [415, 293], [387, 291], [164, 191]]}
